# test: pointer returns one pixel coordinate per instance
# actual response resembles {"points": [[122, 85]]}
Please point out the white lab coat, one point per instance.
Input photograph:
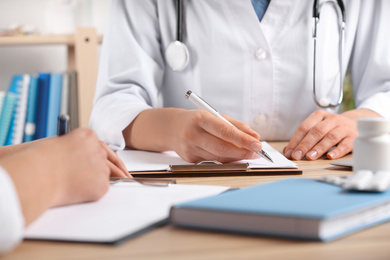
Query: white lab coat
{"points": [[260, 73]]}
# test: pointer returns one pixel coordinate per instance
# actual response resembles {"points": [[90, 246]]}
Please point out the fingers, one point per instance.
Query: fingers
{"points": [[320, 132], [319, 139], [115, 171], [242, 126], [117, 167], [231, 137], [203, 136], [343, 148], [205, 150], [301, 132]]}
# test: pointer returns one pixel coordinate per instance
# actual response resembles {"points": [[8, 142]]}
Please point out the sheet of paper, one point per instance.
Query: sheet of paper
{"points": [[150, 161], [280, 161], [126, 209]]}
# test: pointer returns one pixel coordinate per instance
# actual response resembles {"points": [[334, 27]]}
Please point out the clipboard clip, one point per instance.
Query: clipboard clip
{"points": [[144, 181], [209, 166]]}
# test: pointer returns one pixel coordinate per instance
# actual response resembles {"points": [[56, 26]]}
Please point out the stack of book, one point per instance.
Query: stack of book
{"points": [[29, 110]]}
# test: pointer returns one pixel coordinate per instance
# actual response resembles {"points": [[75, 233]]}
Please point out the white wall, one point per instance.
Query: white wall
{"points": [[33, 59]]}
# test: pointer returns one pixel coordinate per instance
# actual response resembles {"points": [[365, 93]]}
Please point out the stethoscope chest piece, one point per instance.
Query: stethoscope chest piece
{"points": [[177, 56]]}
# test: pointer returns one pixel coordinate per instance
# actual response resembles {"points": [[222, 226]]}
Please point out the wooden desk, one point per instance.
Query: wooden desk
{"points": [[174, 243]]}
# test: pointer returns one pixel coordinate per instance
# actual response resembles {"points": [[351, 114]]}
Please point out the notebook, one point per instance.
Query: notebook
{"points": [[294, 208], [126, 211]]}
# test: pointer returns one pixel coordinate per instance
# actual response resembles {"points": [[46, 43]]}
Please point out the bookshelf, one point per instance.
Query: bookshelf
{"points": [[82, 56]]}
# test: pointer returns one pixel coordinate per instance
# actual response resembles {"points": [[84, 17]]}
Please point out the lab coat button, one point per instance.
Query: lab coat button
{"points": [[261, 54], [259, 119]]}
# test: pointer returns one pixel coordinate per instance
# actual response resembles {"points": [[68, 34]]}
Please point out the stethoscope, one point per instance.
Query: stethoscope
{"points": [[177, 54], [324, 101]]}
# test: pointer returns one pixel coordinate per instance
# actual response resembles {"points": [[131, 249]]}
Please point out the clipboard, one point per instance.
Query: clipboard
{"points": [[214, 169], [144, 164]]}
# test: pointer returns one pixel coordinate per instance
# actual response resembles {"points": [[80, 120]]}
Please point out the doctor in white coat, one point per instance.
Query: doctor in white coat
{"points": [[258, 74]]}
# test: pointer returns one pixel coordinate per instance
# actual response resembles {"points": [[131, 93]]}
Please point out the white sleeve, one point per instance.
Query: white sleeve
{"points": [[11, 217], [370, 63], [130, 70]]}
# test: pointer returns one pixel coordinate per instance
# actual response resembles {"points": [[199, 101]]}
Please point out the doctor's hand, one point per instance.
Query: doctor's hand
{"points": [[206, 137], [195, 135], [323, 130]]}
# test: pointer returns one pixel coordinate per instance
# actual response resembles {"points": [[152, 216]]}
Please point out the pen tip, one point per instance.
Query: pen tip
{"points": [[266, 156], [189, 92]]}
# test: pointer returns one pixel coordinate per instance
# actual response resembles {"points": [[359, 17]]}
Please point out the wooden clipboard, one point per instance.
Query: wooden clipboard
{"points": [[215, 169]]}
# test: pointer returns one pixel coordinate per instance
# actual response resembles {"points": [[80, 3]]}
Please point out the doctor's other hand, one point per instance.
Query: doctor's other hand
{"points": [[323, 130], [195, 135]]}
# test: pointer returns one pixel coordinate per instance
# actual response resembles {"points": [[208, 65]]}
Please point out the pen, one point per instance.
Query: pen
{"points": [[157, 182], [201, 104], [62, 125]]}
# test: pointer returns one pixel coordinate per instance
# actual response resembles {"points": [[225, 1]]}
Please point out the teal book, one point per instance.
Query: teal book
{"points": [[6, 116], [42, 105], [296, 208], [10, 110], [19, 115], [54, 106], [29, 129]]}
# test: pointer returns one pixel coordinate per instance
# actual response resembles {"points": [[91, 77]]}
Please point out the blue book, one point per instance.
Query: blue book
{"points": [[42, 105], [29, 129], [13, 96], [19, 115], [6, 116], [294, 208], [54, 106]]}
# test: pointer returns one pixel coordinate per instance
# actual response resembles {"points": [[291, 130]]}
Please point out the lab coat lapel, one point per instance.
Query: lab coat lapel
{"points": [[275, 18]]}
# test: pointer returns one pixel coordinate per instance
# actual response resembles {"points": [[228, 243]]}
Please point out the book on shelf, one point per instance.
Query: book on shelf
{"points": [[19, 115], [64, 110], [73, 100], [8, 110], [42, 104], [54, 104], [30, 108], [296, 208], [29, 129]]}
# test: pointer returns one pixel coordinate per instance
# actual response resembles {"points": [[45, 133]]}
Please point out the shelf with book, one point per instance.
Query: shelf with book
{"points": [[82, 56]]}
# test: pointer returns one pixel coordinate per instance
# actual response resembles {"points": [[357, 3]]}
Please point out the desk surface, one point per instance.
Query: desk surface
{"points": [[173, 243]]}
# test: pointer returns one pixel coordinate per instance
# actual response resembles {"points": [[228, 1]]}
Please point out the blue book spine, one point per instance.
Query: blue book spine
{"points": [[29, 130], [42, 105], [20, 111], [15, 88], [54, 104], [6, 116]]}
